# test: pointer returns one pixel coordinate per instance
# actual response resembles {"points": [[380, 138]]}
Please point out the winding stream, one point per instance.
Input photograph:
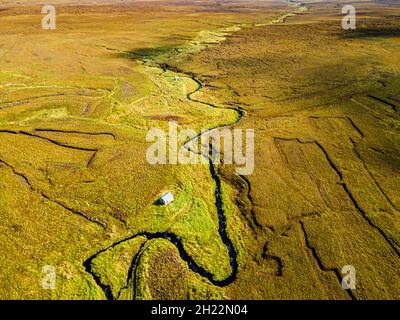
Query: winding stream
{"points": [[174, 239]]}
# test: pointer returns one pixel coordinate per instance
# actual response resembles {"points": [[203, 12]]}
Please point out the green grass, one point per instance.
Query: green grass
{"points": [[101, 92]]}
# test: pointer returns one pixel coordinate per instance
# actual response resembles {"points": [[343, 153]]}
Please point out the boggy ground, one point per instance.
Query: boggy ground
{"points": [[76, 104], [325, 191]]}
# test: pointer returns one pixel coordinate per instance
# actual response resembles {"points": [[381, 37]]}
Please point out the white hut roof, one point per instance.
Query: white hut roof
{"points": [[168, 197]]}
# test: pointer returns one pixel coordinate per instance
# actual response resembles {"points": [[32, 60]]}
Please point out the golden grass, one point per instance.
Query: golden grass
{"points": [[75, 107]]}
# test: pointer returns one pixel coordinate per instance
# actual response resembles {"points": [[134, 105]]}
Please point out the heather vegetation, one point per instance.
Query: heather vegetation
{"points": [[76, 190]]}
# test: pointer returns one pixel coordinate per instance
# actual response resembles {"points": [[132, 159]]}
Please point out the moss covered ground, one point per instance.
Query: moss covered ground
{"points": [[77, 102]]}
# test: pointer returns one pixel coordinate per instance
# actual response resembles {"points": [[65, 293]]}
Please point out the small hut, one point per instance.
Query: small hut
{"points": [[166, 199]]}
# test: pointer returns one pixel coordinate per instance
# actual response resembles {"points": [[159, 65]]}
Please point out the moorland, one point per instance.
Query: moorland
{"points": [[77, 193]]}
